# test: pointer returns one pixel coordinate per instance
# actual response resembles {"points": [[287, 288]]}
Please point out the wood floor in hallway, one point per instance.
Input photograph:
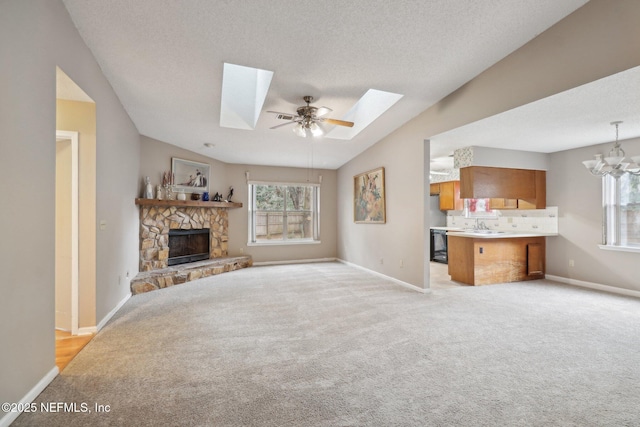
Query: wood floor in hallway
{"points": [[68, 346]]}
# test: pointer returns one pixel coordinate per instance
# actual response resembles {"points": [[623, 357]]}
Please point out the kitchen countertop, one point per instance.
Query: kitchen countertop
{"points": [[496, 234], [447, 228]]}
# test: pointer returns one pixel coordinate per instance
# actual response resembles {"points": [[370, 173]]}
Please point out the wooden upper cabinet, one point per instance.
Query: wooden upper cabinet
{"points": [[450, 196], [525, 185], [434, 189]]}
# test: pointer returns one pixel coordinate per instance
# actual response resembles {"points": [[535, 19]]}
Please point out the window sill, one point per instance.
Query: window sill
{"points": [[285, 243], [620, 248]]}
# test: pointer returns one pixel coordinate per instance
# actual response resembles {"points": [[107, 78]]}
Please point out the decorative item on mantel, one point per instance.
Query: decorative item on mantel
{"points": [[159, 192], [205, 196], [195, 196], [181, 195], [167, 183], [230, 195], [148, 188]]}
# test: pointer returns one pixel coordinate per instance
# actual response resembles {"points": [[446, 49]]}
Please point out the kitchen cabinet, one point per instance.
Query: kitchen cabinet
{"points": [[480, 261], [450, 196], [434, 189], [503, 203], [528, 187]]}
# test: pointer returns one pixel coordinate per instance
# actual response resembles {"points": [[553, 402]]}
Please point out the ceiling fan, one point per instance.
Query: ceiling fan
{"points": [[308, 119]]}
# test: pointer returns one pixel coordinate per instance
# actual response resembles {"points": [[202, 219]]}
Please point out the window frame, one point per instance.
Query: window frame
{"points": [[285, 240], [612, 216]]}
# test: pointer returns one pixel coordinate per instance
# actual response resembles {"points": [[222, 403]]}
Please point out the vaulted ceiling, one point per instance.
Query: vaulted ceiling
{"points": [[165, 61]]}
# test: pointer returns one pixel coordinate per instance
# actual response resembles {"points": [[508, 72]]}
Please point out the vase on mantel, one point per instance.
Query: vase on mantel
{"points": [[148, 188], [181, 195]]}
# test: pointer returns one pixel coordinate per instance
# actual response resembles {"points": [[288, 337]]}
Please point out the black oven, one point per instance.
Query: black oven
{"points": [[439, 246]]}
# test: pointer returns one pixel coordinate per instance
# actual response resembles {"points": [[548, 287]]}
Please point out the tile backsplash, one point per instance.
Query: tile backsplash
{"points": [[537, 220]]}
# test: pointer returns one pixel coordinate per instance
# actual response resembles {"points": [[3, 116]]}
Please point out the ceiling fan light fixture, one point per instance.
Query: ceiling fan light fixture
{"points": [[315, 129], [307, 120], [299, 130]]}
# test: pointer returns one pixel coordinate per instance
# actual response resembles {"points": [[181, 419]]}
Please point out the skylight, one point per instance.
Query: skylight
{"points": [[371, 106], [244, 90]]}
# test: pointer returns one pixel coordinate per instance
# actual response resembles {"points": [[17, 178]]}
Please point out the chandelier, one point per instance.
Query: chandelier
{"points": [[615, 164]]}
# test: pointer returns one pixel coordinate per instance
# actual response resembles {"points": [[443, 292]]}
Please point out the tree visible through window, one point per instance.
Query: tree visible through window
{"points": [[283, 213], [622, 210]]}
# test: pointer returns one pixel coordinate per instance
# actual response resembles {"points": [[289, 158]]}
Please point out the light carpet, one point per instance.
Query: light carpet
{"points": [[330, 345]]}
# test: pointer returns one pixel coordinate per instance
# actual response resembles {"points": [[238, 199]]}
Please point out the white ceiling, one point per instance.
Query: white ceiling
{"points": [[165, 59], [575, 118]]}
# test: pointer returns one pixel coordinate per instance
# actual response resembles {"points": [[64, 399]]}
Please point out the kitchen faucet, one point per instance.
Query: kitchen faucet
{"points": [[481, 225]]}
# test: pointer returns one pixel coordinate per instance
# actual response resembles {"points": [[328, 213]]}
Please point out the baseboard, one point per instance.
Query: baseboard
{"points": [[591, 285], [109, 315], [30, 396], [88, 330], [384, 276], [295, 261]]}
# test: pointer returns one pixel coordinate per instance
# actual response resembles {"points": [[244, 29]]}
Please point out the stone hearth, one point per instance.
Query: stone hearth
{"points": [[157, 217], [158, 279]]}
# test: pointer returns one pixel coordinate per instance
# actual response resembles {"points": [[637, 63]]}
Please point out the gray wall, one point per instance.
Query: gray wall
{"points": [[579, 49], [383, 247], [155, 158], [501, 158], [35, 36], [578, 196]]}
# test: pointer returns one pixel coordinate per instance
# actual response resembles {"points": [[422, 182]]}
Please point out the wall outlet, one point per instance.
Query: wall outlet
{"points": [[241, 251], [572, 263]]}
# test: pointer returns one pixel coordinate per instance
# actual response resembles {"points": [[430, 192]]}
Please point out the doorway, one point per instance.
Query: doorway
{"points": [[76, 231], [66, 232]]}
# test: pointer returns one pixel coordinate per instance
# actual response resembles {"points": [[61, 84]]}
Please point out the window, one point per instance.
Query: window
{"points": [[622, 211], [283, 213]]}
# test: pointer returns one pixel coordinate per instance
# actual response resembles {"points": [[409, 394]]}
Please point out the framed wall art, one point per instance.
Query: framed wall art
{"points": [[188, 176], [369, 197]]}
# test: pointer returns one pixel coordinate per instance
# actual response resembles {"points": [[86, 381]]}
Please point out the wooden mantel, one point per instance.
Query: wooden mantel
{"points": [[188, 203]]}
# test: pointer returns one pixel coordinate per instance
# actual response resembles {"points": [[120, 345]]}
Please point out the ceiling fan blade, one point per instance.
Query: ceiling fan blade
{"points": [[283, 124], [284, 116], [338, 122], [322, 111]]}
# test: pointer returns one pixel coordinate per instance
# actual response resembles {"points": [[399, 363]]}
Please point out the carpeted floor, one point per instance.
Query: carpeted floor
{"points": [[330, 345]]}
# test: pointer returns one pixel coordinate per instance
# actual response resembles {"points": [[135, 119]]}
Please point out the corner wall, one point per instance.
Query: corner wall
{"points": [[35, 37], [156, 158]]}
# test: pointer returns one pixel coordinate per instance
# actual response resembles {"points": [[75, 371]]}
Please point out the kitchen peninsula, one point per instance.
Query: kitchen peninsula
{"points": [[482, 257]]}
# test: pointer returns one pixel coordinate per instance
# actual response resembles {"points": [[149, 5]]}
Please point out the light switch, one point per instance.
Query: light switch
{"points": [[103, 224]]}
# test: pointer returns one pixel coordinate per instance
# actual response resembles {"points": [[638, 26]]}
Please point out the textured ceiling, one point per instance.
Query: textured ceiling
{"points": [[575, 118], [165, 59]]}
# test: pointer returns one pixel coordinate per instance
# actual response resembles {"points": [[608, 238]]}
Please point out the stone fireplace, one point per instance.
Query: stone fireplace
{"points": [[157, 221], [164, 262]]}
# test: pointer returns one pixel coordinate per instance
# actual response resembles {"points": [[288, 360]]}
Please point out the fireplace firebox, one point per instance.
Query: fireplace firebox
{"points": [[188, 246]]}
